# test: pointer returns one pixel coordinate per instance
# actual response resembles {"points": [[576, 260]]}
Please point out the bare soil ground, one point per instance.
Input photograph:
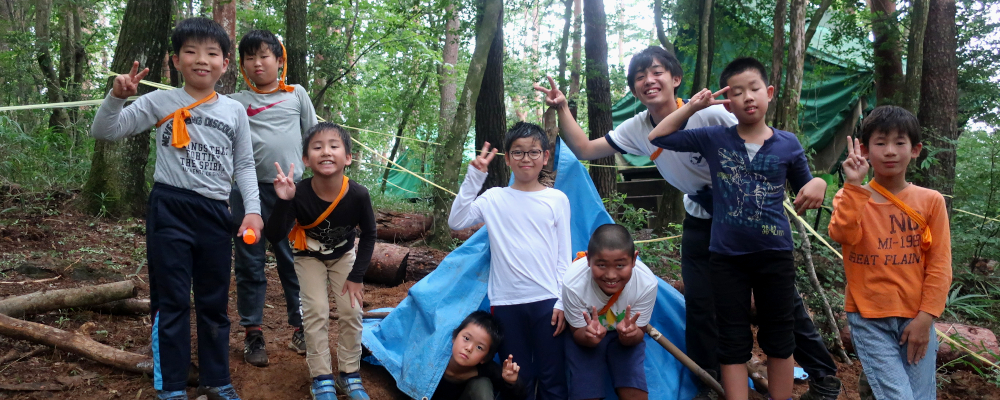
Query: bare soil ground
{"points": [[49, 239]]}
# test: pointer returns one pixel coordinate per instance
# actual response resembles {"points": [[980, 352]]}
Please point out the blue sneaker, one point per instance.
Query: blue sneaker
{"points": [[350, 385], [171, 395], [323, 390], [219, 392]]}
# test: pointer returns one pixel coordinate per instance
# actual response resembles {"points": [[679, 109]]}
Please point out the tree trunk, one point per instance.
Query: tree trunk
{"points": [[574, 73], [402, 126], [388, 264], [816, 18], [939, 97], [76, 343], [658, 20], [703, 68], [777, 54], [50, 300], [117, 182], [915, 55], [446, 73], [59, 118], [888, 55], [296, 43], [564, 45], [399, 227], [598, 92], [788, 113], [449, 161], [224, 12], [491, 113]]}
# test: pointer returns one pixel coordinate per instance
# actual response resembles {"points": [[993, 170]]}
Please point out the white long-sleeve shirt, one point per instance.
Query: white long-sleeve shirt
{"points": [[530, 243]]}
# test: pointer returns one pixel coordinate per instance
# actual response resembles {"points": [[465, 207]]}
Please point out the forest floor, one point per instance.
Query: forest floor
{"points": [[50, 239]]}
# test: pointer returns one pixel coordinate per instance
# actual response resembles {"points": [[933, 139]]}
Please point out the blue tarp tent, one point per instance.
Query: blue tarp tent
{"points": [[414, 342]]}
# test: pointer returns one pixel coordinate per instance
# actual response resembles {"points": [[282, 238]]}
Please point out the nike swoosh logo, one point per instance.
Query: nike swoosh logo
{"points": [[254, 111]]}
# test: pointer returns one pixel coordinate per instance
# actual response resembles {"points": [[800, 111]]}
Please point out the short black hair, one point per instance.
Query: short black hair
{"points": [[256, 39], [200, 29], [890, 118], [739, 66], [611, 237], [489, 324], [523, 130], [325, 126], [643, 59]]}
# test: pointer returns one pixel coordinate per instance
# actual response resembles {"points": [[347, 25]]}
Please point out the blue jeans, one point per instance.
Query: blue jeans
{"points": [[251, 283], [876, 341]]}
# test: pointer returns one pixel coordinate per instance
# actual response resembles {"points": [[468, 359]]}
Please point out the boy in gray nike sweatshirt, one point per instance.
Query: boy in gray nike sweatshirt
{"points": [[279, 115], [202, 143]]}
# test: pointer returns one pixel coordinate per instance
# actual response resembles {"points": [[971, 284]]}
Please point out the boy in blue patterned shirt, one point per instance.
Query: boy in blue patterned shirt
{"points": [[751, 245]]}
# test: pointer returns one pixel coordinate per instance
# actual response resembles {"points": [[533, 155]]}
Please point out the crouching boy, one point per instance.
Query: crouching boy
{"points": [[471, 373], [609, 297]]}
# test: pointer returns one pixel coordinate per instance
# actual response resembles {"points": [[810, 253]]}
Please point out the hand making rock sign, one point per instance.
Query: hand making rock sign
{"points": [[126, 85]]}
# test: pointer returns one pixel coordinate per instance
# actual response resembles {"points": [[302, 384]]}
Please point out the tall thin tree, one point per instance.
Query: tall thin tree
{"points": [[224, 12], [598, 91], [117, 181], [295, 41], [788, 110], [939, 97], [491, 112]]}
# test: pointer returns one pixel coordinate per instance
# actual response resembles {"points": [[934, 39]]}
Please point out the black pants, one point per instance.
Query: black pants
{"points": [[702, 335], [188, 242]]}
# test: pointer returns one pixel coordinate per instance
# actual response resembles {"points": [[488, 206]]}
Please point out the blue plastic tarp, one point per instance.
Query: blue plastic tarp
{"points": [[414, 341]]}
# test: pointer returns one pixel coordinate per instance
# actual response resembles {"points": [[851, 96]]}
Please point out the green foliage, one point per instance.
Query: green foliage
{"points": [[969, 305], [625, 214], [39, 160], [977, 190]]}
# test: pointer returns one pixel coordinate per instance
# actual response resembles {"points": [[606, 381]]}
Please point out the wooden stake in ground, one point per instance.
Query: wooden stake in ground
{"points": [[50, 300], [832, 322], [75, 343]]}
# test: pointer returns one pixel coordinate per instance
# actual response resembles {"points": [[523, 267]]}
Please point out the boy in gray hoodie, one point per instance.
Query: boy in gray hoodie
{"points": [[202, 143]]}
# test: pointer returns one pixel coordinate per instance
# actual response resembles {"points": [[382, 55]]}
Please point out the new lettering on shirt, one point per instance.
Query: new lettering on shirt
{"points": [[200, 158], [906, 235]]}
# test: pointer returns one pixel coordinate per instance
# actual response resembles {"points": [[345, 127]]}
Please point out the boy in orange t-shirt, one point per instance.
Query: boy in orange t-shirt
{"points": [[897, 257]]}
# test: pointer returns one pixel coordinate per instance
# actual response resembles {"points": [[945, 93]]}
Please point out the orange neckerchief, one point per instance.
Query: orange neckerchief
{"points": [[180, 137], [614, 297], [298, 233], [925, 236], [281, 81], [680, 103]]}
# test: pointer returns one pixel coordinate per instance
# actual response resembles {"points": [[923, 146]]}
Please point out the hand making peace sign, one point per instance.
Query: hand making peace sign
{"points": [[485, 156], [553, 97], [126, 85], [855, 165], [706, 98], [284, 185], [594, 328], [627, 328], [510, 370]]}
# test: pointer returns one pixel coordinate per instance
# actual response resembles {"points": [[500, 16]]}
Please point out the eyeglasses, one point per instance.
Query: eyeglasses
{"points": [[519, 155]]}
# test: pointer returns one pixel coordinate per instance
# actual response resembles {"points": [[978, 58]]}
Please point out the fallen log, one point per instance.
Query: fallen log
{"points": [[401, 227], [388, 265], [50, 300], [76, 343], [14, 355], [123, 307], [32, 387], [466, 233]]}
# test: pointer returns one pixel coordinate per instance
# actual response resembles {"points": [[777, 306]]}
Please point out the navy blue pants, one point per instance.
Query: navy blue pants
{"points": [[189, 250], [702, 334], [251, 283], [527, 331]]}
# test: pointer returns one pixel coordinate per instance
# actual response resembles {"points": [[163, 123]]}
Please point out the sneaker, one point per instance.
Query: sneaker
{"points": [[864, 389], [254, 351], [298, 342], [323, 390], [825, 388], [171, 395], [350, 385], [219, 392]]}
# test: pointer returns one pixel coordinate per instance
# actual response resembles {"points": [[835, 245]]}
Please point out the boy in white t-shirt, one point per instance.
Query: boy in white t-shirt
{"points": [[530, 250], [608, 297]]}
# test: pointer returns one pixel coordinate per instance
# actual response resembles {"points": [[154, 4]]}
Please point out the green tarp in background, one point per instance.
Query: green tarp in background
{"points": [[402, 184]]}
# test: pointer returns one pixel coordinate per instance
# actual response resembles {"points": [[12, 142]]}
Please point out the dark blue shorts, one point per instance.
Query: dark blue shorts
{"points": [[588, 367]]}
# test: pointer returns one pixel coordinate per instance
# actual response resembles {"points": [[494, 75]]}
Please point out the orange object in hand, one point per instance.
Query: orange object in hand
{"points": [[249, 237]]}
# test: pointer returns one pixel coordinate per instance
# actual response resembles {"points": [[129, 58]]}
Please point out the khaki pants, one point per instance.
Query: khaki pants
{"points": [[313, 276]]}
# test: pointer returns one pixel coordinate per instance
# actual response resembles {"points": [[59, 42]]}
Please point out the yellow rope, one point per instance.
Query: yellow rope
{"points": [[66, 104], [967, 350], [370, 150], [399, 187], [656, 240], [388, 168], [791, 210]]}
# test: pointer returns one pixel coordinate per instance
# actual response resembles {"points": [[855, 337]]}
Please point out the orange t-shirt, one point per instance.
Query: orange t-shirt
{"points": [[888, 275]]}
